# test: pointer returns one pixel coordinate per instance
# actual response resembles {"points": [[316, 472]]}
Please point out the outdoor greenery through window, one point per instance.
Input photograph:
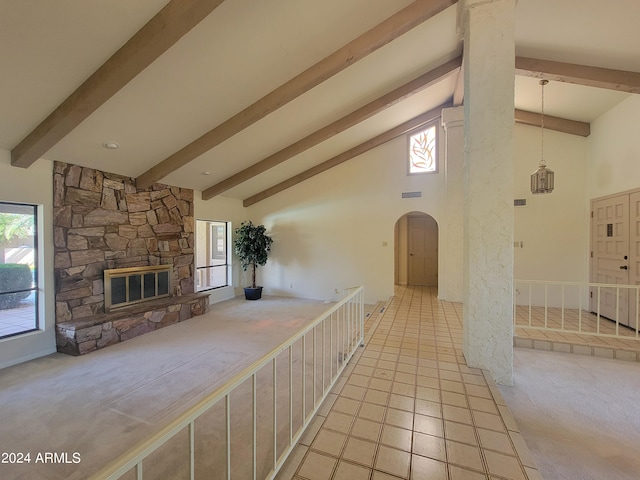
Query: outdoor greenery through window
{"points": [[18, 275], [212, 255], [423, 151]]}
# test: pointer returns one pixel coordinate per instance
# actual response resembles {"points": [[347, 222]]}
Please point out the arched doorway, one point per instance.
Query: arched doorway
{"points": [[416, 250]]}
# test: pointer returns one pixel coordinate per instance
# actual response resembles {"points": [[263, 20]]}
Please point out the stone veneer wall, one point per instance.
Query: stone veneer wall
{"points": [[102, 221]]}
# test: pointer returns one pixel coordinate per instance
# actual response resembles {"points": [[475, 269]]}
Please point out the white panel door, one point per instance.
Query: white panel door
{"points": [[634, 257], [610, 250], [423, 251]]}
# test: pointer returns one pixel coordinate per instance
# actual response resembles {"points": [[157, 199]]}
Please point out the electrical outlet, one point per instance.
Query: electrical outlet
{"points": [[517, 291]]}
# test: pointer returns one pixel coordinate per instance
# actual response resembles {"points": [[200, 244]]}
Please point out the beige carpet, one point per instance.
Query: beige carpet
{"points": [[101, 404], [579, 415]]}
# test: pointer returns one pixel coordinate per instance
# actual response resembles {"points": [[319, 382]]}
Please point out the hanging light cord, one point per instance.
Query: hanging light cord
{"points": [[542, 162]]}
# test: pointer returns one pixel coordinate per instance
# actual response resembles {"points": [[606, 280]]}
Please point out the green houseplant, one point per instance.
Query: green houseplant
{"points": [[14, 276], [252, 246]]}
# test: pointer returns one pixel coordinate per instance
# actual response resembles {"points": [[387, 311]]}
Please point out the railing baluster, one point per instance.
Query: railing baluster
{"points": [[360, 319], [637, 309], [339, 341], [580, 308], [139, 471], [228, 421], [530, 304], [617, 310], [314, 369], [290, 395], [546, 304], [331, 346], [562, 313], [598, 316], [254, 447], [323, 352], [304, 379], [192, 450], [275, 415]]}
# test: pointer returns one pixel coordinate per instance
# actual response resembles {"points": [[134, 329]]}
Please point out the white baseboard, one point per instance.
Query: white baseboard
{"points": [[221, 294], [26, 358]]}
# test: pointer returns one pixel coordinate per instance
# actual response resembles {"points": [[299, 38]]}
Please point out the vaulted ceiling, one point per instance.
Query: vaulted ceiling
{"points": [[243, 98]]}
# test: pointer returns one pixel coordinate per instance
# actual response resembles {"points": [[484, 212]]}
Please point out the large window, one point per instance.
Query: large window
{"points": [[423, 149], [212, 258], [18, 275]]}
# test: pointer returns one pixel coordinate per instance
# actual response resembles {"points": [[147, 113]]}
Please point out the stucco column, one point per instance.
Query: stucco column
{"points": [[450, 287], [489, 71]]}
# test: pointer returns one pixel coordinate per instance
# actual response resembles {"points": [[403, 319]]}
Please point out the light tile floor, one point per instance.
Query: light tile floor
{"points": [[571, 340], [408, 407]]}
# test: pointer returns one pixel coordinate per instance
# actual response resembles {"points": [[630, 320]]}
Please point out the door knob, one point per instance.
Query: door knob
{"points": [[624, 267]]}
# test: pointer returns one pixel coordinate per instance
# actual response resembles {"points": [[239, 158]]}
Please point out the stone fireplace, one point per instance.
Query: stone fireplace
{"points": [[103, 222]]}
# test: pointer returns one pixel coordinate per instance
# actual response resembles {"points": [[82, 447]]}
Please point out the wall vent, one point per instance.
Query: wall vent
{"points": [[520, 202], [411, 194]]}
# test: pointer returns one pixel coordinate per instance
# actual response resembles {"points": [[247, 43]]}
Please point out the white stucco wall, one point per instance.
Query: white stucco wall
{"points": [[33, 186], [330, 231], [553, 228], [613, 157]]}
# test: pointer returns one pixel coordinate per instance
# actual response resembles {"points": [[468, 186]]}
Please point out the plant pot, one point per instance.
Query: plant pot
{"points": [[251, 293]]}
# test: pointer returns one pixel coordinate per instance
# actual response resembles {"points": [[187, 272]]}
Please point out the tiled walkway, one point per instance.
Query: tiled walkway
{"points": [[627, 347], [408, 407]]}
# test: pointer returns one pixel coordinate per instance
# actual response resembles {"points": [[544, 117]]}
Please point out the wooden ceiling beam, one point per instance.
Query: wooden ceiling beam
{"points": [[433, 76], [558, 124], [152, 40], [619, 80], [409, 17], [349, 154]]}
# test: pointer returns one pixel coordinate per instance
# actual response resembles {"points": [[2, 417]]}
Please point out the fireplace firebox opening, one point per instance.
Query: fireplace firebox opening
{"points": [[133, 285]]}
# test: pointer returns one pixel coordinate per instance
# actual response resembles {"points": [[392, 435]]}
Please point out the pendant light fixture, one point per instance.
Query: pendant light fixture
{"points": [[542, 178]]}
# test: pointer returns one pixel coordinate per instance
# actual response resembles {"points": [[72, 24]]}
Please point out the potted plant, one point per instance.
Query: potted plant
{"points": [[252, 246]]}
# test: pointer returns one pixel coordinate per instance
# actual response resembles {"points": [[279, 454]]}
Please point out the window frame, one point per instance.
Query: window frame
{"points": [[432, 124], [210, 245], [34, 273]]}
